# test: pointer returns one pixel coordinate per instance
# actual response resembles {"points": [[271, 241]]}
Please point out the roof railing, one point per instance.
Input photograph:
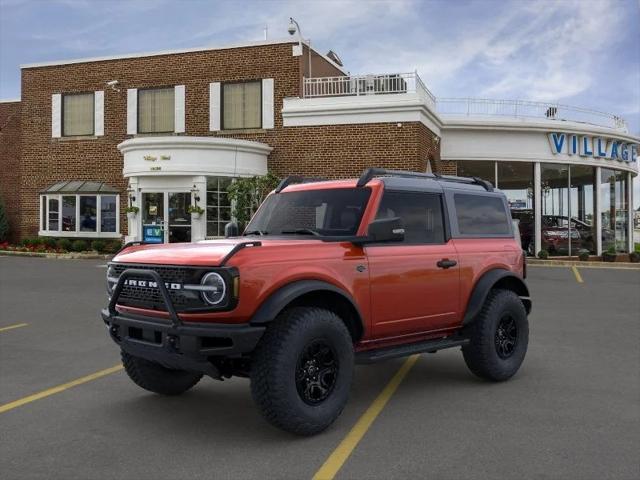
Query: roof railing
{"points": [[371, 173]]}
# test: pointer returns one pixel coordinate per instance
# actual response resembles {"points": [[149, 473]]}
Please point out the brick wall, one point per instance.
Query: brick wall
{"points": [[10, 162], [330, 151]]}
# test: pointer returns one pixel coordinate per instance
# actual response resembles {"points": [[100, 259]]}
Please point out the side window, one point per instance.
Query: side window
{"points": [[421, 215], [481, 215]]}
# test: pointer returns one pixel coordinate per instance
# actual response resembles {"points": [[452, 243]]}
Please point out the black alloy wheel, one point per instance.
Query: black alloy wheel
{"points": [[316, 372], [506, 336]]}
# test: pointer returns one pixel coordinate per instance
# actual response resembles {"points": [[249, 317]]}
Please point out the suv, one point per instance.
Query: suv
{"points": [[327, 274]]}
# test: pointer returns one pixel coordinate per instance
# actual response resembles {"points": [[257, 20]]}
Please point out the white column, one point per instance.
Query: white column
{"points": [[630, 212], [134, 231], [199, 226], [598, 212], [537, 207]]}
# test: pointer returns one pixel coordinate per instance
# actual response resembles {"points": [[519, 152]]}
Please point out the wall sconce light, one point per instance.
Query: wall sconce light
{"points": [[132, 197], [195, 193]]}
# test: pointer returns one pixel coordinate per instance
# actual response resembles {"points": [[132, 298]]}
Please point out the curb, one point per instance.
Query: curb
{"points": [[570, 263], [61, 256]]}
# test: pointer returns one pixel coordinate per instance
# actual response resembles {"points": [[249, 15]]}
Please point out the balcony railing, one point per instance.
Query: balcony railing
{"points": [[357, 85], [399, 83], [526, 109]]}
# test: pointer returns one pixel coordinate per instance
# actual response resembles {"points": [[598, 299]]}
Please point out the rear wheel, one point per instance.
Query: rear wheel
{"points": [[302, 369], [499, 337], [156, 378]]}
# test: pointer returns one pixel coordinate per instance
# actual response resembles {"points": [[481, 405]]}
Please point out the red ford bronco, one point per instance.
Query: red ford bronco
{"points": [[327, 274]]}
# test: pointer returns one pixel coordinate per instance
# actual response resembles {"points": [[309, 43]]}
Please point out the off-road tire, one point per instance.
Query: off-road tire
{"points": [[156, 378], [275, 364], [481, 354]]}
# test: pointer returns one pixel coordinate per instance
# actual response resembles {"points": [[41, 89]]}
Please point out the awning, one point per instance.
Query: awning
{"points": [[80, 186]]}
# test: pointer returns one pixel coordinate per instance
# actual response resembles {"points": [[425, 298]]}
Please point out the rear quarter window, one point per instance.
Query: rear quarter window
{"points": [[481, 215]]}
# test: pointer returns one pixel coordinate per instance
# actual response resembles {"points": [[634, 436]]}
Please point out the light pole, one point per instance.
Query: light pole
{"points": [[293, 28]]}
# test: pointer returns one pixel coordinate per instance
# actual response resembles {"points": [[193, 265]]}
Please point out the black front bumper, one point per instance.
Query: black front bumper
{"points": [[172, 343]]}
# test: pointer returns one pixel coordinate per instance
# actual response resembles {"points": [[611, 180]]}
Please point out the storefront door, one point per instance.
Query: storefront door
{"points": [[165, 217]]}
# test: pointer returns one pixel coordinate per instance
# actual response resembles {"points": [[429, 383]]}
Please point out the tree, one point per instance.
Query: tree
{"points": [[4, 223], [246, 195]]}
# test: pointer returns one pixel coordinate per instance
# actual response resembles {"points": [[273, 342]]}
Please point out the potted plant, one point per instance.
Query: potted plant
{"points": [[132, 211], [583, 255], [195, 211], [610, 255]]}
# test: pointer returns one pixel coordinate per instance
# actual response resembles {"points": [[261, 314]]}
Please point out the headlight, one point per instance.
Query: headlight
{"points": [[111, 279], [214, 288]]}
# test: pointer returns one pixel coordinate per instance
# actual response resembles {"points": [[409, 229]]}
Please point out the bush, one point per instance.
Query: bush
{"points": [[543, 254], [113, 246], [583, 255], [79, 246], [64, 244], [31, 242], [634, 257], [4, 223], [98, 245], [50, 243]]}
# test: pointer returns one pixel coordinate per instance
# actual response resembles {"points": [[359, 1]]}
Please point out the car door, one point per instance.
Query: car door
{"points": [[414, 283]]}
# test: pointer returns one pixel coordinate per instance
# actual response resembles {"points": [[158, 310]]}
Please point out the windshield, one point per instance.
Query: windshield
{"points": [[329, 212]]}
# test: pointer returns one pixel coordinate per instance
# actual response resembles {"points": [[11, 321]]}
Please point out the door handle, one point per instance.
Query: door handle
{"points": [[446, 263]]}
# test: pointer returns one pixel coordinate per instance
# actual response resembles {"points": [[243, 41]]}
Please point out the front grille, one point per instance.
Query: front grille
{"points": [[149, 297]]}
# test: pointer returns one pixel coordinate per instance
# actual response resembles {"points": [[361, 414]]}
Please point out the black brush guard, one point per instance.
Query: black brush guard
{"points": [[174, 344]]}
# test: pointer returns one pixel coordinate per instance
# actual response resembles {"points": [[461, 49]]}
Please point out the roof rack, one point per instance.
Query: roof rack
{"points": [[291, 179], [370, 173]]}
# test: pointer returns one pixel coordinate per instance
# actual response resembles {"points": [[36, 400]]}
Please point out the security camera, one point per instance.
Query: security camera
{"points": [[292, 27], [112, 83]]}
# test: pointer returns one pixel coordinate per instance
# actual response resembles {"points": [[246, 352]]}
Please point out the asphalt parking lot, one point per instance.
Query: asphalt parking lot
{"points": [[573, 411]]}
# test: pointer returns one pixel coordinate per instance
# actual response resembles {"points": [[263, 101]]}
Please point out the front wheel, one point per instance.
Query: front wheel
{"points": [[302, 369], [499, 337]]}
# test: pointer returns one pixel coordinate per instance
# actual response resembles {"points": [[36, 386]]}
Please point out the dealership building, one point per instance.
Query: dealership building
{"points": [[162, 131]]}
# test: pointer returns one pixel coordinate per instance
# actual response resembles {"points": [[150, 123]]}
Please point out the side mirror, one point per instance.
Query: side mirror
{"points": [[231, 230], [386, 230]]}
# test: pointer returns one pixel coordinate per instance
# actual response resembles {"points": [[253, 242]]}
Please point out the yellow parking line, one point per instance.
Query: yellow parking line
{"points": [[11, 327], [577, 274], [60, 388], [340, 455]]}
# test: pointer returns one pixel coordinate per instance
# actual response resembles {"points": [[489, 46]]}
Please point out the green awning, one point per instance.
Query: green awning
{"points": [[80, 186]]}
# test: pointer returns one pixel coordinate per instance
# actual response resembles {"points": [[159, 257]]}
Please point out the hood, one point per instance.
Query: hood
{"points": [[208, 253]]}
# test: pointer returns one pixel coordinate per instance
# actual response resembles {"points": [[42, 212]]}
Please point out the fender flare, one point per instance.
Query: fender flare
{"points": [[286, 294], [487, 281]]}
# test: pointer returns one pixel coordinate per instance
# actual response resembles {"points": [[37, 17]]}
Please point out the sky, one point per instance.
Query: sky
{"points": [[577, 52]]}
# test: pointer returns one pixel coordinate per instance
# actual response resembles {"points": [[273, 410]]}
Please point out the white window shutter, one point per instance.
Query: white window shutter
{"points": [[268, 109], [179, 100], [132, 111], [214, 106], [56, 115], [98, 113]]}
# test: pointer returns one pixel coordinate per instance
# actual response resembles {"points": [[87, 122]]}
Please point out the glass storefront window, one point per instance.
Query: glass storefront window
{"points": [[480, 168], [582, 206], [108, 213], [556, 230], [614, 196], [218, 205], [515, 179], [88, 213], [69, 213]]}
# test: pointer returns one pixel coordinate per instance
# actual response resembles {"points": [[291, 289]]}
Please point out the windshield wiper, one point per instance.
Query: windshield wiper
{"points": [[302, 231], [255, 232]]}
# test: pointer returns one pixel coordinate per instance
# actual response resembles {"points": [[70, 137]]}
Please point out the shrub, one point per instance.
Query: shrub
{"points": [[79, 246], [4, 223], [98, 245], [634, 257], [113, 246], [543, 254], [247, 193], [49, 242], [64, 244], [31, 242], [583, 255]]}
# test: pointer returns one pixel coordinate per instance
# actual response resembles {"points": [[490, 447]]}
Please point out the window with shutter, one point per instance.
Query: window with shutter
{"points": [[242, 105], [156, 110], [78, 114]]}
